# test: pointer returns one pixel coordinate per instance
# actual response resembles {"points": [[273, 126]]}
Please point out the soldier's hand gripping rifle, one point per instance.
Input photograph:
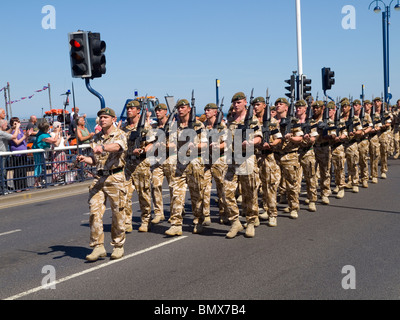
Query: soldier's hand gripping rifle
{"points": [[137, 136], [337, 119], [306, 126], [324, 124], [350, 121]]}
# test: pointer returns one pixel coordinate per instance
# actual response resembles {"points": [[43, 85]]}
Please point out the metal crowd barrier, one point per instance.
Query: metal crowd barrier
{"points": [[30, 169]]}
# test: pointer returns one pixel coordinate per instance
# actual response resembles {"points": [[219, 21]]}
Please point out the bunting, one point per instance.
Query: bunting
{"points": [[29, 97]]}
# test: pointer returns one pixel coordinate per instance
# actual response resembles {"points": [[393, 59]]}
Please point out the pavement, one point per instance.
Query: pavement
{"points": [[39, 195]]}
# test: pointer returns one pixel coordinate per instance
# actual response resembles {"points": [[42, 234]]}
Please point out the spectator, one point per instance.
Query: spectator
{"points": [[19, 162], [32, 125], [60, 166], [43, 141], [82, 133], [97, 128], [4, 138]]}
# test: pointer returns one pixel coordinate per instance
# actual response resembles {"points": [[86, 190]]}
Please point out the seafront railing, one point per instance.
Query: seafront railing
{"points": [[30, 169]]}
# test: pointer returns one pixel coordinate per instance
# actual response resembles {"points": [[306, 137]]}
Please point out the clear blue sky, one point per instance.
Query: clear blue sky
{"points": [[160, 47]]}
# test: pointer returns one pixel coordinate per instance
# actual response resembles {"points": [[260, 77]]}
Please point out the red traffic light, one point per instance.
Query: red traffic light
{"points": [[75, 44]]}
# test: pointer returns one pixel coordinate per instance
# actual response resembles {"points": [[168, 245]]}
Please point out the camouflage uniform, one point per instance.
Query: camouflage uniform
{"points": [[138, 177], [384, 141], [352, 155], [270, 174], [110, 183], [187, 174], [243, 171], [374, 148], [396, 134], [363, 149], [339, 159], [287, 158], [215, 169]]}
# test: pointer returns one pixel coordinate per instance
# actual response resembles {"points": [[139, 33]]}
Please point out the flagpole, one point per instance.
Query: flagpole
{"points": [[9, 100], [50, 96], [5, 98]]}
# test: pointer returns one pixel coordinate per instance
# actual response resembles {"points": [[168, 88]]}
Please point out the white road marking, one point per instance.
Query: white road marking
{"points": [[10, 232], [23, 294]]}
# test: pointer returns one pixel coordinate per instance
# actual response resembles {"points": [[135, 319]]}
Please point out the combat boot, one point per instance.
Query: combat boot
{"points": [[250, 230], [207, 221], [365, 184], [273, 222], [158, 219], [396, 156], [312, 207], [374, 180], [340, 194], [293, 214], [325, 200], [336, 190], [145, 227], [98, 252], [198, 228], [383, 175], [128, 229], [355, 189], [117, 253], [263, 216], [236, 227], [174, 231]]}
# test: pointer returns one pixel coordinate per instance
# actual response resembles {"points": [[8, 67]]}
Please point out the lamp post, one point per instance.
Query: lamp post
{"points": [[385, 35]]}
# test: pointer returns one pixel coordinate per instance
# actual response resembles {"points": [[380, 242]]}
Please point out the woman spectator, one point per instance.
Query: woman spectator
{"points": [[19, 162], [82, 133], [60, 166], [97, 128], [43, 141]]}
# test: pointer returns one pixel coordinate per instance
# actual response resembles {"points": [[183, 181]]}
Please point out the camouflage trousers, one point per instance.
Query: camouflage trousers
{"points": [[323, 159], [111, 188], [290, 170], [246, 175], [396, 138], [352, 159], [363, 149], [270, 176], [217, 172], [375, 155], [158, 173], [138, 177], [308, 170], [339, 162], [384, 151], [190, 175]]}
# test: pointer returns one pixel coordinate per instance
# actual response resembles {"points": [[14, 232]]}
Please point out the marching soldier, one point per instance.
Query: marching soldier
{"points": [[216, 166], [137, 169], [386, 122], [189, 172], [307, 155], [374, 153], [108, 155], [287, 155], [337, 150], [270, 173], [363, 142], [244, 172], [350, 146], [396, 130], [160, 169]]}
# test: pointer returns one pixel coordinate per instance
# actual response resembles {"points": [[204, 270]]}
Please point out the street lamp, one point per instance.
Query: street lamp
{"points": [[385, 31]]}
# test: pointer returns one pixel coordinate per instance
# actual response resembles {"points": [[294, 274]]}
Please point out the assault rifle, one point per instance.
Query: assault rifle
{"points": [[267, 120], [249, 118], [306, 127], [137, 136], [192, 117], [337, 119], [350, 121], [168, 124], [220, 115]]}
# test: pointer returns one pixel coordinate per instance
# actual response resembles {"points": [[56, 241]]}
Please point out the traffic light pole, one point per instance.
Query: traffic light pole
{"points": [[94, 92]]}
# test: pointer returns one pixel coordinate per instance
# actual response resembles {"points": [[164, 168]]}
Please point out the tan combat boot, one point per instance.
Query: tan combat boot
{"points": [[356, 189], [294, 214], [383, 175], [117, 253], [340, 194], [312, 207], [198, 228], [145, 227], [374, 180], [236, 227], [250, 230], [273, 222], [98, 252], [128, 229], [207, 221], [158, 219], [365, 184], [325, 200], [174, 231]]}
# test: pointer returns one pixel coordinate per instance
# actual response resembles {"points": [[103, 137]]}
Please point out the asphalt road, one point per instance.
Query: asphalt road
{"points": [[347, 250]]}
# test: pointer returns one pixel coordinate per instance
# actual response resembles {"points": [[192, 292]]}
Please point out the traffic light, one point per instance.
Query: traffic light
{"points": [[97, 57], [292, 87], [306, 87], [328, 79], [79, 53]]}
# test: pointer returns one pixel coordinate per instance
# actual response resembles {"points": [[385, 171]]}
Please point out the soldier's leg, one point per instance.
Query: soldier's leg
{"points": [[157, 177], [178, 185], [218, 171], [97, 199], [207, 192], [129, 188], [195, 182]]}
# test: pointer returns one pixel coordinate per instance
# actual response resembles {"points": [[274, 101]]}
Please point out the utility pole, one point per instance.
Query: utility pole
{"points": [[9, 100], [299, 40]]}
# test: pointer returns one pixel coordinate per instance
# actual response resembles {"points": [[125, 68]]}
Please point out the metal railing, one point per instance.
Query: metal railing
{"points": [[30, 169]]}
